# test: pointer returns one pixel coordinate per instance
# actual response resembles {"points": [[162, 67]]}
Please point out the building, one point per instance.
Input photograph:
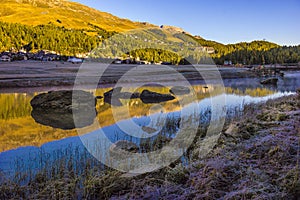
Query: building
{"points": [[5, 58], [209, 50], [227, 62]]}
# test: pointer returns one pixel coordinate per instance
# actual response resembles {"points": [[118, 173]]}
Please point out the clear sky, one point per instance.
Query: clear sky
{"points": [[226, 21]]}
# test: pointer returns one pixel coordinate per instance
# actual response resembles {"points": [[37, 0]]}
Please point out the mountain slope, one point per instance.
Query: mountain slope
{"points": [[62, 13], [70, 15], [71, 28]]}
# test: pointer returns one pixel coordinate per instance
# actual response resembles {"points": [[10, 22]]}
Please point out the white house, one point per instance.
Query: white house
{"points": [[74, 60], [5, 58]]}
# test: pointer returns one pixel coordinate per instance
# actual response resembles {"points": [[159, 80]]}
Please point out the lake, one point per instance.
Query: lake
{"points": [[28, 146]]}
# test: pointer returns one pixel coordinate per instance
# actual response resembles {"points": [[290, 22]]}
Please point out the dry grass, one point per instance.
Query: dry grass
{"points": [[71, 14], [258, 159]]}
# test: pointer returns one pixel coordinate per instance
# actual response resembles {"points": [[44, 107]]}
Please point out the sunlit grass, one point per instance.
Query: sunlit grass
{"points": [[71, 15]]}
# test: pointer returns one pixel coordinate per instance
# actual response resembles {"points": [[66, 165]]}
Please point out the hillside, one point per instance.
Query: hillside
{"points": [[70, 28], [62, 13], [62, 20]]}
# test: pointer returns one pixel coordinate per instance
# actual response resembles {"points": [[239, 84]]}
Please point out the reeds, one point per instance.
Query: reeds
{"points": [[261, 162]]}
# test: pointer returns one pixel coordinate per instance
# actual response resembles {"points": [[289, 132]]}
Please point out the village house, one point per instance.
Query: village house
{"points": [[21, 55], [227, 62], [5, 58], [209, 50], [50, 57]]}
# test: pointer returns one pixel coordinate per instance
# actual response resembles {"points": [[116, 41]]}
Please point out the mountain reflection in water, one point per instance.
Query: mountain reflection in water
{"points": [[31, 156], [18, 128], [26, 144]]}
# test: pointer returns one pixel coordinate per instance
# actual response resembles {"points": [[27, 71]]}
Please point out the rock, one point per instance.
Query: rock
{"points": [[154, 97], [113, 101], [269, 81], [128, 95], [114, 95], [64, 100], [135, 95], [298, 91], [64, 120], [232, 129], [124, 145], [180, 90], [109, 93], [108, 97], [148, 129], [59, 109]]}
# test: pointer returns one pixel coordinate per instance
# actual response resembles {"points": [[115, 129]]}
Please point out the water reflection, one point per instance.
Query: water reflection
{"points": [[63, 120], [18, 128], [34, 145], [39, 157], [60, 109]]}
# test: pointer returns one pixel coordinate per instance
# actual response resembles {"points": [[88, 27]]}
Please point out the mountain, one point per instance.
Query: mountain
{"points": [[173, 29], [64, 14], [71, 15], [70, 28]]}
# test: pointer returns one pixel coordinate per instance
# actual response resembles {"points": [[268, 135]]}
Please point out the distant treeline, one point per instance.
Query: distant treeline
{"points": [[256, 52], [156, 55], [72, 42]]}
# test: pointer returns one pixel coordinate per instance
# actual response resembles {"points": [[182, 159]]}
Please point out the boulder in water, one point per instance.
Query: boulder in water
{"points": [[269, 81], [65, 109], [114, 95], [154, 97], [64, 100]]}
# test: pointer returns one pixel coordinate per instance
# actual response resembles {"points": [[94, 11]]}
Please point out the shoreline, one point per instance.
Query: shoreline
{"points": [[36, 74], [256, 157]]}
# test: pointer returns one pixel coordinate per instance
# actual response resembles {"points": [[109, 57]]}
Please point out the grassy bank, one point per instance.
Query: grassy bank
{"points": [[256, 157]]}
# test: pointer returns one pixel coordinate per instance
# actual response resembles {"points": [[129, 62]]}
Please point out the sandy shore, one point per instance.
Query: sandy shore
{"points": [[37, 74]]}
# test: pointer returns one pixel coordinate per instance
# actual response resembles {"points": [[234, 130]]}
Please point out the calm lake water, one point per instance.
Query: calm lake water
{"points": [[26, 145]]}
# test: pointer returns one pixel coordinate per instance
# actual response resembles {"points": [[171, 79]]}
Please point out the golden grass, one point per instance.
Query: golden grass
{"points": [[72, 15]]}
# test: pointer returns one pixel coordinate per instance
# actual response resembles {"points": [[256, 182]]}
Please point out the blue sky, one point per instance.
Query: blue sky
{"points": [[226, 21]]}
